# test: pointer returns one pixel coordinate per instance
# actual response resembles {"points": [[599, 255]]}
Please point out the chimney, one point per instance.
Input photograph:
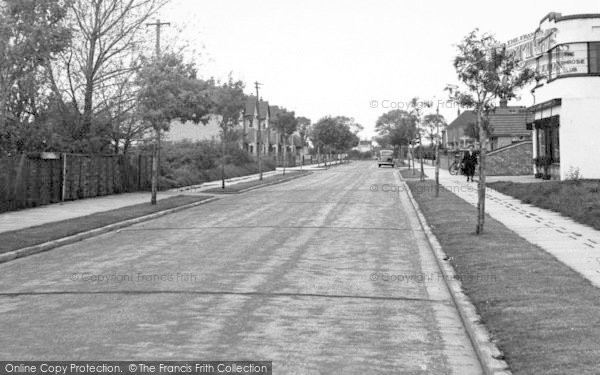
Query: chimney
{"points": [[503, 103]]}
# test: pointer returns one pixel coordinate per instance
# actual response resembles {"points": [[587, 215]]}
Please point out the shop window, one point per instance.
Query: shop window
{"points": [[541, 144], [595, 57], [555, 145], [548, 142]]}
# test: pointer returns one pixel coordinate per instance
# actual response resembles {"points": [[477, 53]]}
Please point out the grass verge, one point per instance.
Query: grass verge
{"points": [[22, 238], [542, 315], [411, 174], [241, 186], [579, 200]]}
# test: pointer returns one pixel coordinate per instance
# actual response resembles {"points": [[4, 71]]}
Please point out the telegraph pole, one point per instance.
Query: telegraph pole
{"points": [[156, 148], [258, 134], [437, 150]]}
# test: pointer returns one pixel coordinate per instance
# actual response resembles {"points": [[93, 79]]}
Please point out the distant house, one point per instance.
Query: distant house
{"points": [[364, 146], [253, 116], [293, 143], [271, 139], [179, 131], [508, 124]]}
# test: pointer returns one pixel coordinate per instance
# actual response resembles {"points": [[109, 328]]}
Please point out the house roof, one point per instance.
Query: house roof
{"points": [[264, 108], [297, 140], [251, 105], [462, 121], [509, 121], [504, 121]]}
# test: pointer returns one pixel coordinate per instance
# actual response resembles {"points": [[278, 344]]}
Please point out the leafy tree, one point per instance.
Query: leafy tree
{"points": [[169, 90], [227, 104], [354, 126], [488, 73], [32, 32], [334, 134], [286, 124], [396, 128], [431, 124]]}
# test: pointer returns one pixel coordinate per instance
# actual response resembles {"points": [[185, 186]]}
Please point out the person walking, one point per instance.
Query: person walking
{"points": [[469, 162]]}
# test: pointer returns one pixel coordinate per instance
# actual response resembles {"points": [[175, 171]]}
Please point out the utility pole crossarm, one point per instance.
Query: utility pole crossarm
{"points": [[158, 25]]}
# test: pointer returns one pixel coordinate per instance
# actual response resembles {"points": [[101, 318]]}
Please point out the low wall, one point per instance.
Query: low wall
{"points": [[513, 160]]}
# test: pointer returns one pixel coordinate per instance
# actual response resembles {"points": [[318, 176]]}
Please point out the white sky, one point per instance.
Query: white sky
{"points": [[333, 57]]}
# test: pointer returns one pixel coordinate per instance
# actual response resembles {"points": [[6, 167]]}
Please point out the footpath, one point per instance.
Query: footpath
{"points": [[574, 244], [15, 220]]}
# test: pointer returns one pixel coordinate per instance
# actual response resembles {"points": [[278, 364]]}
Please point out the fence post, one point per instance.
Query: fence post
{"points": [[63, 193]]}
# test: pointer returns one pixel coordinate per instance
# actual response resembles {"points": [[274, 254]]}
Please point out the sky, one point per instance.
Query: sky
{"points": [[358, 58]]}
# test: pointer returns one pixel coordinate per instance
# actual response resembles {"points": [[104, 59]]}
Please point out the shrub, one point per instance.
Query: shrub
{"points": [[573, 174], [190, 163], [360, 155]]}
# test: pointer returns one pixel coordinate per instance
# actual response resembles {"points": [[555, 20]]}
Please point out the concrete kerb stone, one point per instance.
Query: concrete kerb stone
{"points": [[232, 181], [262, 185], [275, 182], [488, 353], [20, 253]]}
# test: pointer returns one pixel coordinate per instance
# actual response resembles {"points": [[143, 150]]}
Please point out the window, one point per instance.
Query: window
{"points": [[555, 145], [594, 57], [547, 131], [541, 144]]}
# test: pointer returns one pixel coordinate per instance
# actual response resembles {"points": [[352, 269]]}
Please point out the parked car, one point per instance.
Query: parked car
{"points": [[386, 157]]}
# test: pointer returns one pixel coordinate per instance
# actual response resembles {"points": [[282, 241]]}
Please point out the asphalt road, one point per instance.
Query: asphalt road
{"points": [[321, 275]]}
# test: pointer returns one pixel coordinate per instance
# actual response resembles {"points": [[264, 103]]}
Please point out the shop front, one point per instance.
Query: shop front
{"points": [[545, 126], [565, 119]]}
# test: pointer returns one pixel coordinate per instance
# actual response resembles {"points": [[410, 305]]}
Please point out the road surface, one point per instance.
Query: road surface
{"points": [[321, 275]]}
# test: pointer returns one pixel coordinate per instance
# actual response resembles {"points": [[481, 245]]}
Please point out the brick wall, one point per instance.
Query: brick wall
{"points": [[513, 160]]}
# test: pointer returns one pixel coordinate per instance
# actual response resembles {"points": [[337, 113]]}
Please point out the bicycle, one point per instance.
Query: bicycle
{"points": [[455, 168]]}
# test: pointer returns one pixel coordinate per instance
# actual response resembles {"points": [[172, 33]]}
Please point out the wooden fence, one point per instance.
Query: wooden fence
{"points": [[30, 180]]}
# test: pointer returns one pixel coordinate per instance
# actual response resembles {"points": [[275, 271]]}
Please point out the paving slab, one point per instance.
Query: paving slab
{"points": [[574, 244]]}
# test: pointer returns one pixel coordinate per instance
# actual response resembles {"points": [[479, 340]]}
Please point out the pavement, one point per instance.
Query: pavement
{"points": [[320, 275], [574, 244], [15, 220]]}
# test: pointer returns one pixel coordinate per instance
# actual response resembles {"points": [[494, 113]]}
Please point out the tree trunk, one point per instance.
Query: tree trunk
{"points": [[88, 95], [437, 168], [223, 150], [412, 158], [155, 166], [284, 156], [3, 112], [421, 159], [318, 154], [481, 183]]}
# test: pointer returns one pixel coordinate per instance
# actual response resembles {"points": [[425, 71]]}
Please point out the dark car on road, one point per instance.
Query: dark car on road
{"points": [[386, 157]]}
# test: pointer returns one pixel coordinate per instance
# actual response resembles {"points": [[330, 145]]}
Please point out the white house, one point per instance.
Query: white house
{"points": [[565, 119], [364, 146], [179, 131]]}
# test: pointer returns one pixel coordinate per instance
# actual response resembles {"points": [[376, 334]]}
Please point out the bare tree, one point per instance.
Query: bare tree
{"points": [[94, 72]]}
